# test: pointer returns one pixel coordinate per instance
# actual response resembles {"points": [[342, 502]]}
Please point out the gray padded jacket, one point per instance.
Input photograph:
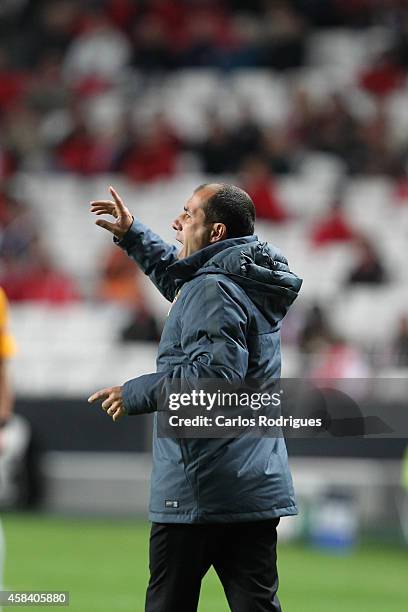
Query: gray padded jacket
{"points": [[225, 324]]}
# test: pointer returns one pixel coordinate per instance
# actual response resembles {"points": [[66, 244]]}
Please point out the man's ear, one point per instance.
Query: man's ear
{"points": [[218, 232]]}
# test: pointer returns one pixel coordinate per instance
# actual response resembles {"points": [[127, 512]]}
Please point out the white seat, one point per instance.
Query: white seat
{"points": [[368, 315], [345, 47], [263, 92]]}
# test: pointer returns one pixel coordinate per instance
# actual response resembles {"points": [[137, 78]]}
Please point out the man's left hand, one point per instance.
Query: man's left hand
{"points": [[112, 401]]}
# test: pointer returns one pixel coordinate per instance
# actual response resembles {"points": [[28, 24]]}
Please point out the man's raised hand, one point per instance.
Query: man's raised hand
{"points": [[117, 209]]}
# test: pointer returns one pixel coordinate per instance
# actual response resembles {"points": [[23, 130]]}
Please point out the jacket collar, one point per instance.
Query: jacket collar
{"points": [[184, 269]]}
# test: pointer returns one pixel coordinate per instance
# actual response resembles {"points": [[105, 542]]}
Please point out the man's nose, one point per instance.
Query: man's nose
{"points": [[176, 225]]}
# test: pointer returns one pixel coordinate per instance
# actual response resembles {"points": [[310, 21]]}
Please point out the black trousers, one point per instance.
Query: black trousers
{"points": [[243, 555]]}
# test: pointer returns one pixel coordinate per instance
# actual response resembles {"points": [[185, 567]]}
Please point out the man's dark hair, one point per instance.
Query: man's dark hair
{"points": [[233, 207]]}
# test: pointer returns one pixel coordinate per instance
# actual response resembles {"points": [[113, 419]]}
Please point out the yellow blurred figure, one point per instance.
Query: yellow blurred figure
{"points": [[7, 349], [7, 346]]}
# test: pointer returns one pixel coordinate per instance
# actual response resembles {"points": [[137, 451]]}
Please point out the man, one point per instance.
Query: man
{"points": [[213, 501]]}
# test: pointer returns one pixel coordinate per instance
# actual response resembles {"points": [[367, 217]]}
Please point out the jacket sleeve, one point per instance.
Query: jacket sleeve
{"points": [[213, 338], [152, 254]]}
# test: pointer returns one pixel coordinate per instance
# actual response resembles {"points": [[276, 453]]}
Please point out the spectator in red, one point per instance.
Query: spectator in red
{"points": [[73, 153], [13, 82], [7, 163], [171, 13], [384, 77], [259, 184], [122, 12], [333, 227], [38, 280], [27, 272], [209, 37], [154, 156], [340, 360], [84, 152]]}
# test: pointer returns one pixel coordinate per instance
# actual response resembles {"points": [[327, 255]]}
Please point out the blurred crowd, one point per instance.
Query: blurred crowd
{"points": [[59, 58]]}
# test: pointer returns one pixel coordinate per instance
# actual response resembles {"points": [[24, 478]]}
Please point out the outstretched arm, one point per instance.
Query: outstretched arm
{"points": [[145, 247]]}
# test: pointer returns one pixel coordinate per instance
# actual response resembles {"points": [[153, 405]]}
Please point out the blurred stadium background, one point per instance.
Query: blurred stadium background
{"points": [[304, 103]]}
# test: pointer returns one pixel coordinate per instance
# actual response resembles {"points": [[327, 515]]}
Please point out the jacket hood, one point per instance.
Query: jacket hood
{"points": [[258, 267]]}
